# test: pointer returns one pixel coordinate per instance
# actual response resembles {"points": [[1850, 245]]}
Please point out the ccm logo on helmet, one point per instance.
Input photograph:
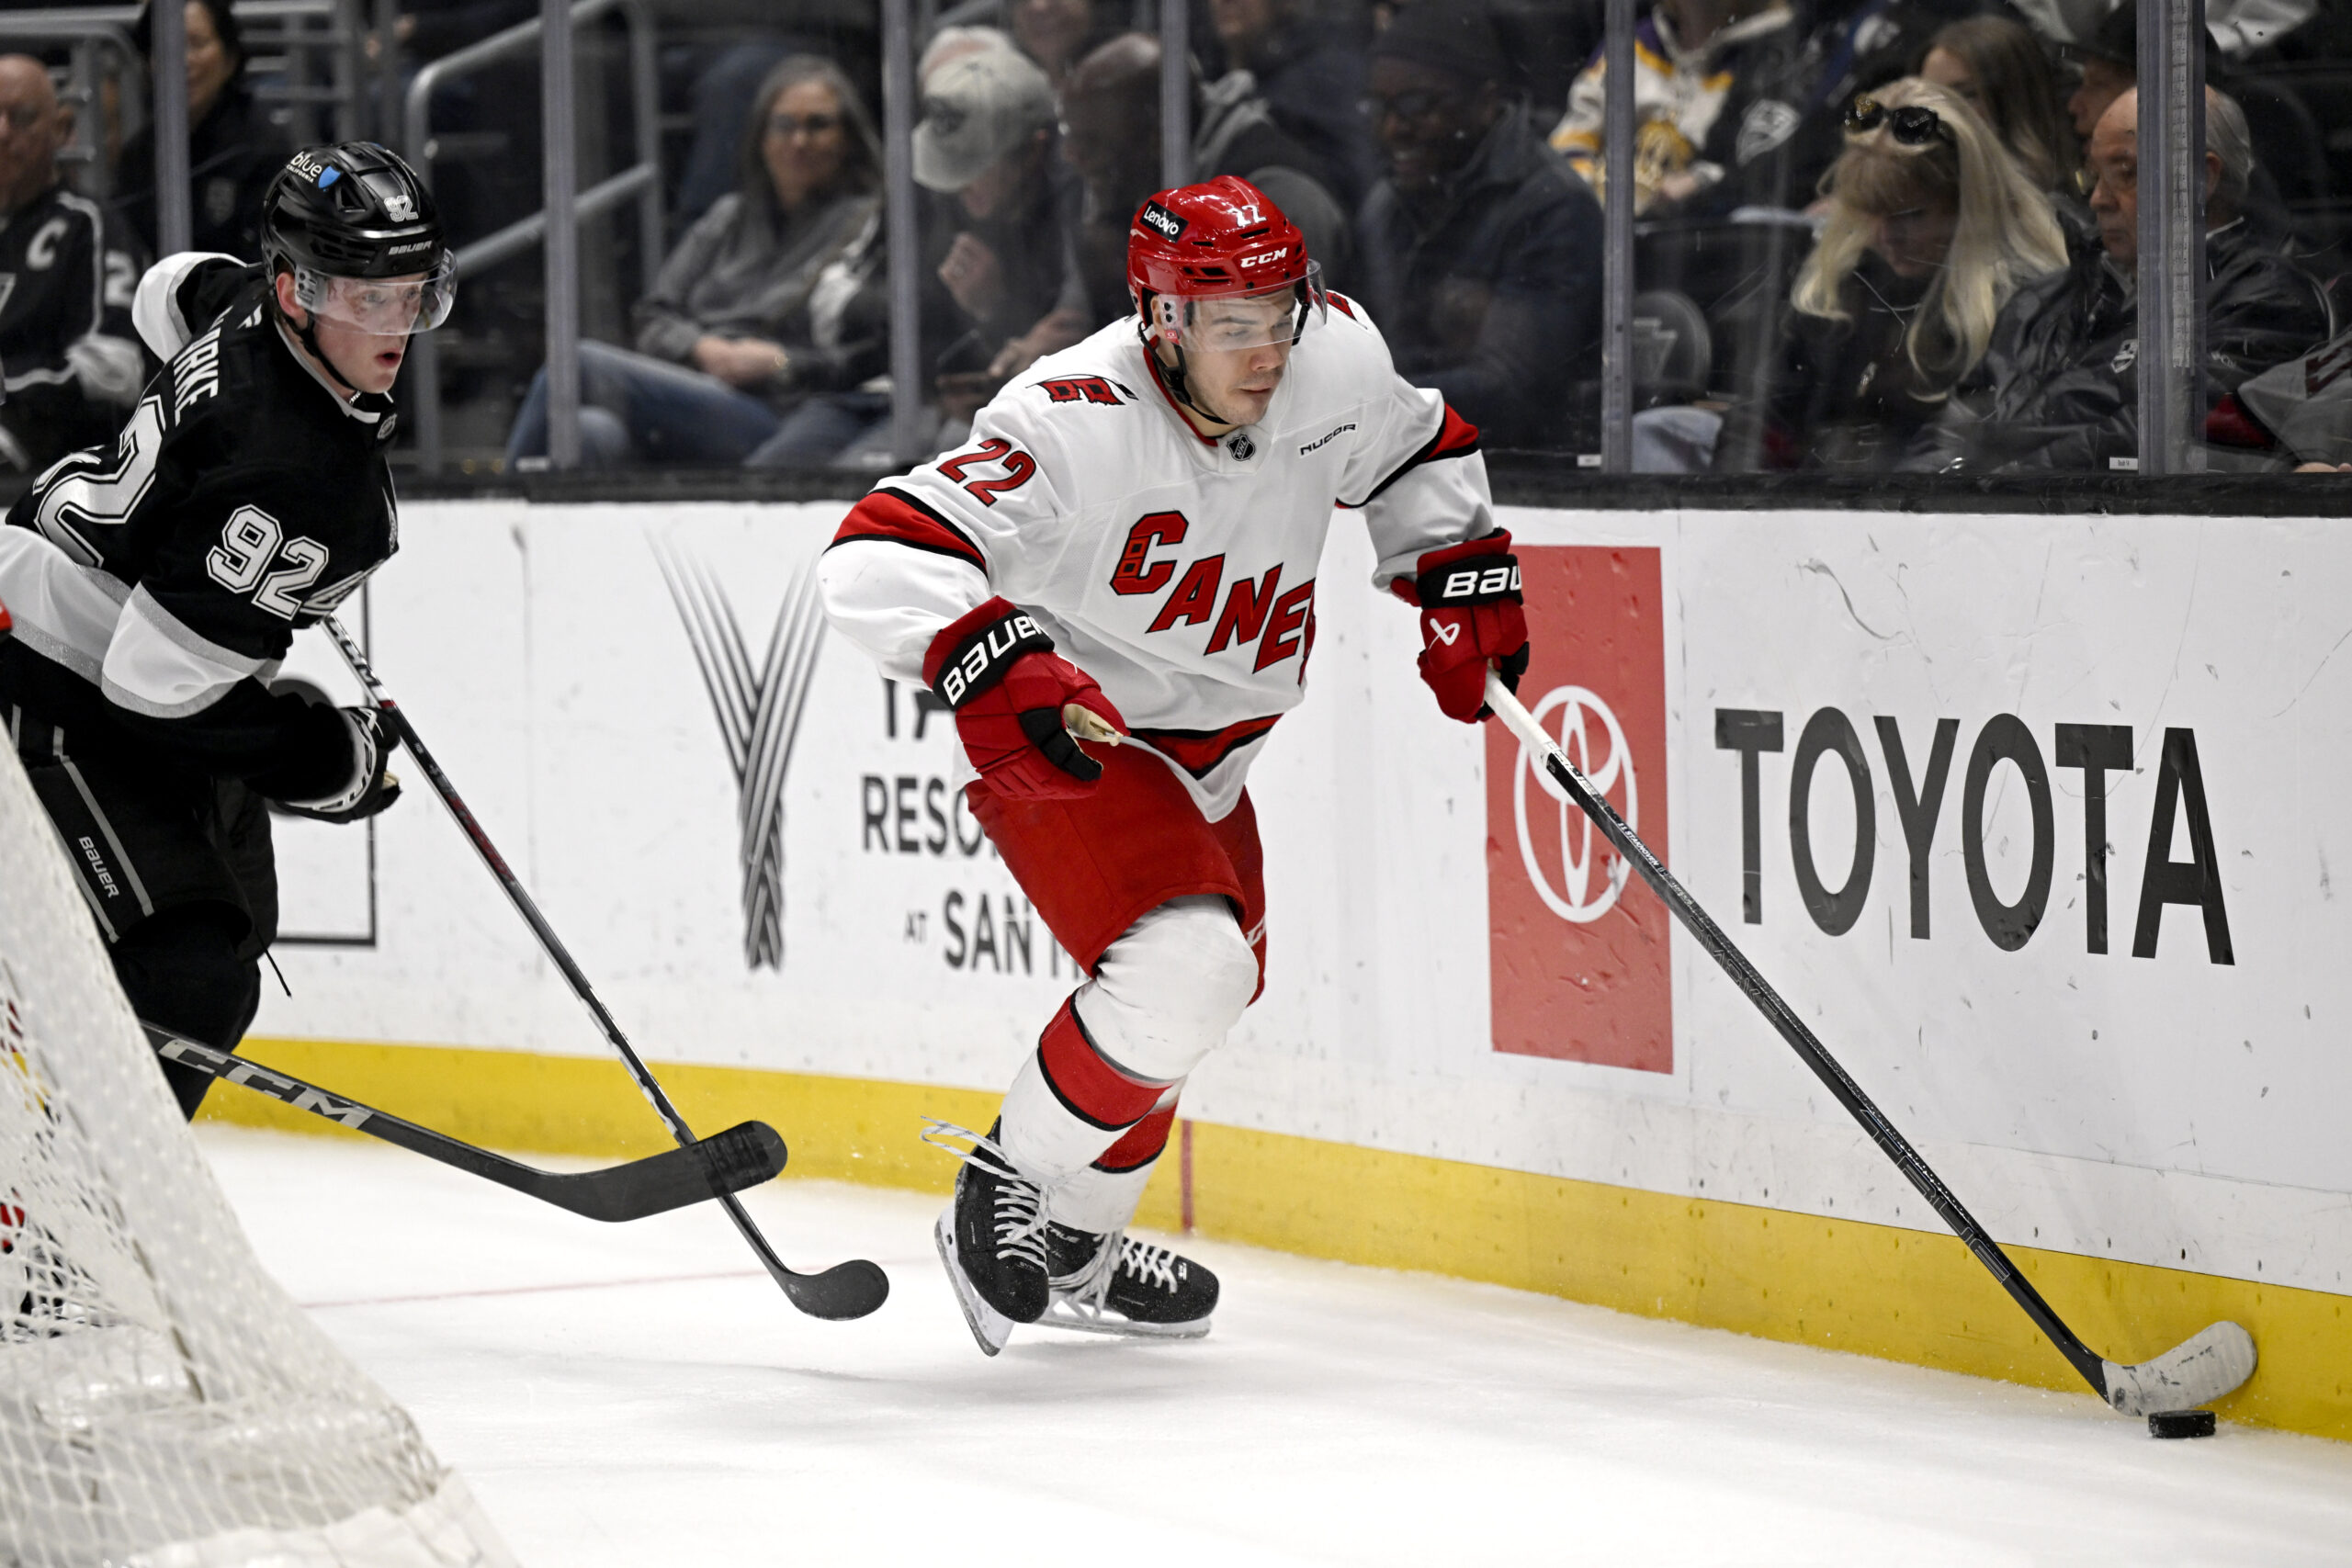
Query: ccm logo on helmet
{"points": [[1166, 224], [1264, 258]]}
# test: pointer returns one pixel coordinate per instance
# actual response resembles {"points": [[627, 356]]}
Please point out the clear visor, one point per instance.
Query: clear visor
{"points": [[383, 307], [1226, 322]]}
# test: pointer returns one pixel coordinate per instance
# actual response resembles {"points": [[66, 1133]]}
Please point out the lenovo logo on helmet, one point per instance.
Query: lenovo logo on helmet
{"points": [[1161, 220], [1264, 258]]}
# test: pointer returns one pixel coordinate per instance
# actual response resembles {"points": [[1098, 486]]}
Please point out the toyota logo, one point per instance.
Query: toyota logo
{"points": [[1584, 719]]}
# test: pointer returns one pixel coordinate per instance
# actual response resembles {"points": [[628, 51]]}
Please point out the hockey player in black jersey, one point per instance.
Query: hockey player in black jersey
{"points": [[156, 585]]}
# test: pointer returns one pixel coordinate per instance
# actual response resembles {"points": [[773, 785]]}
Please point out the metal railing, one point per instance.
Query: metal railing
{"points": [[88, 35], [641, 179]]}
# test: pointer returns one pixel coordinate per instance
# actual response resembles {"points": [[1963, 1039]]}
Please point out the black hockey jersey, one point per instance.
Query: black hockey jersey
{"points": [[73, 368], [157, 584]]}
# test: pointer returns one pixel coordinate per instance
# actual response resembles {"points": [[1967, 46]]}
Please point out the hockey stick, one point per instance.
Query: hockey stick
{"points": [[2201, 1369], [844, 1290], [741, 1157]]}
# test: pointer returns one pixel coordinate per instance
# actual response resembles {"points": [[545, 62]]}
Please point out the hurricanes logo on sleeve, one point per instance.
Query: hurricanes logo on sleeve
{"points": [[758, 707]]}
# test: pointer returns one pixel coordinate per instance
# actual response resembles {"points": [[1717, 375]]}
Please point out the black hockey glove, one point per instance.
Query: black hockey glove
{"points": [[372, 786]]}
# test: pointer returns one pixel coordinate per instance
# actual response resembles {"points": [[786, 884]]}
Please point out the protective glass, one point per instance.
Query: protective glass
{"points": [[1227, 322], [383, 307]]}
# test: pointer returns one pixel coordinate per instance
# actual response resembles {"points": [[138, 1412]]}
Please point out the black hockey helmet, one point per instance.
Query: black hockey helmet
{"points": [[357, 210]]}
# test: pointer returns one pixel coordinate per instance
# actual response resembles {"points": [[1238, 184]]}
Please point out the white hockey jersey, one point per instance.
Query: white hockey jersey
{"points": [[1178, 572]]}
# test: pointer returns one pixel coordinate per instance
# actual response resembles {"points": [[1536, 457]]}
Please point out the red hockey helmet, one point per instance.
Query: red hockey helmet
{"points": [[1220, 240]]}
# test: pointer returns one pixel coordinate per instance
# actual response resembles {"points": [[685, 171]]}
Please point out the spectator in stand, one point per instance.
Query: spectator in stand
{"points": [[1698, 66], [1110, 135], [1932, 227], [66, 343], [1480, 247], [774, 296], [2063, 357], [2002, 71], [233, 152], [1057, 34], [2298, 412], [1000, 287], [987, 140], [1311, 73]]}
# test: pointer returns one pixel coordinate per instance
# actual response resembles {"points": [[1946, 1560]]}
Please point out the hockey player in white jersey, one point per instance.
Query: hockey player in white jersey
{"points": [[1128, 547]]}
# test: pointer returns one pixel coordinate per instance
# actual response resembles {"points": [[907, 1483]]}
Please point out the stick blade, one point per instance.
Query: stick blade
{"points": [[2198, 1370], [846, 1290], [744, 1156]]}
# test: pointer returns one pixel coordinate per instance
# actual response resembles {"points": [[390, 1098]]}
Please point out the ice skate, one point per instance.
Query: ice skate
{"points": [[1115, 1284], [992, 1238]]}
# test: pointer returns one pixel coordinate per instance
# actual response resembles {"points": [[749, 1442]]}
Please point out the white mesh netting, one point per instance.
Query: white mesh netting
{"points": [[163, 1403]]}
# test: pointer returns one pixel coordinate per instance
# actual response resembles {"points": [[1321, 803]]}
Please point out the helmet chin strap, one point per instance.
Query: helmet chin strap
{"points": [[307, 334], [1179, 383]]}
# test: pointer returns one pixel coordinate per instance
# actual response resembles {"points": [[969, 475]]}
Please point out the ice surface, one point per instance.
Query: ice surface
{"points": [[639, 1395]]}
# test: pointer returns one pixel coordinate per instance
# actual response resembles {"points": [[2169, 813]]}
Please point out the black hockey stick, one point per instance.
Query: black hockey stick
{"points": [[2201, 1369], [743, 1155], [844, 1290]]}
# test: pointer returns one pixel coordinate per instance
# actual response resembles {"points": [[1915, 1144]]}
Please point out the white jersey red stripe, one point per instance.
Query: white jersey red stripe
{"points": [[1178, 571]]}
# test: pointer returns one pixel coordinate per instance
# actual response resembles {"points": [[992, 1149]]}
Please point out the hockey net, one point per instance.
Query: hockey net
{"points": [[163, 1403]]}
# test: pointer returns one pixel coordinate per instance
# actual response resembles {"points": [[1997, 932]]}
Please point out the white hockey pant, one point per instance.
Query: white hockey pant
{"points": [[1165, 995]]}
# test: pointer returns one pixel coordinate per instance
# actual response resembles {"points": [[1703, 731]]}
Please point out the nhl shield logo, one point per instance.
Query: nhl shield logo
{"points": [[1241, 447]]}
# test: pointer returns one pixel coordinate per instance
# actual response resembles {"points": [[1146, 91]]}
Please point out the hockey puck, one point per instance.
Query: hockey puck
{"points": [[2181, 1424]]}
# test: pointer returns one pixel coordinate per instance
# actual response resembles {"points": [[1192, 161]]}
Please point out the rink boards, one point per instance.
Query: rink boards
{"points": [[1479, 1052]]}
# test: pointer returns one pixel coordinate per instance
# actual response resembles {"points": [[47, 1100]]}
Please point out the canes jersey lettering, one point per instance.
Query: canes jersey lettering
{"points": [[157, 584], [1179, 572]]}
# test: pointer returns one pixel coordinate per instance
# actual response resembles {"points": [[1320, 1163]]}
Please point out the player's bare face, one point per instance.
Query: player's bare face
{"points": [[1235, 384]]}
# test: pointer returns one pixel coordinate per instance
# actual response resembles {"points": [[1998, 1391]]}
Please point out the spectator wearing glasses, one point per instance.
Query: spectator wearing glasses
{"points": [[233, 152], [1480, 248], [1931, 228], [774, 296], [2064, 360], [998, 285], [66, 344]]}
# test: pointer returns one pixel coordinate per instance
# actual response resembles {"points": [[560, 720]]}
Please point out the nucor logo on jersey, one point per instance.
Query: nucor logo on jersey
{"points": [[958, 680], [1577, 899], [1255, 610]]}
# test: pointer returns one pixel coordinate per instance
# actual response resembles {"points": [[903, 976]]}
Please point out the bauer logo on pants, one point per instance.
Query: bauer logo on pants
{"points": [[1579, 954]]}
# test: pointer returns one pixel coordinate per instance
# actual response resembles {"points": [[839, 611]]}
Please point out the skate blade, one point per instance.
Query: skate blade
{"points": [[1059, 1314], [991, 1328]]}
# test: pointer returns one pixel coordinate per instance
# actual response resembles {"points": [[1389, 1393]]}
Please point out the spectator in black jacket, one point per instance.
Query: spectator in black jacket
{"points": [[1480, 248], [233, 152], [1310, 71], [72, 365], [2063, 361], [1110, 116]]}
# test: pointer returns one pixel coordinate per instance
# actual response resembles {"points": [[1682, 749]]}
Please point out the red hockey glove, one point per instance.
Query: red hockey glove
{"points": [[1470, 614], [997, 670]]}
